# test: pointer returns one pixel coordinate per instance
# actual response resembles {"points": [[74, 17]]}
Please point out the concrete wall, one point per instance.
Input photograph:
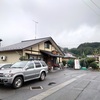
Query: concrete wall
{"points": [[37, 48], [41, 46], [11, 56], [32, 50]]}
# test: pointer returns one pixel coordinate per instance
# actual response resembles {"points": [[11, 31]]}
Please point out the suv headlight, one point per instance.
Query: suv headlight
{"points": [[8, 75]]}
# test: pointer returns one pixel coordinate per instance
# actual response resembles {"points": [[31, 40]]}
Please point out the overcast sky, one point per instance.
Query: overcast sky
{"points": [[68, 22]]}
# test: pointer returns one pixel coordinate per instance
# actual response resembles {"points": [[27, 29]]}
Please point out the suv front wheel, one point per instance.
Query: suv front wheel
{"points": [[17, 83]]}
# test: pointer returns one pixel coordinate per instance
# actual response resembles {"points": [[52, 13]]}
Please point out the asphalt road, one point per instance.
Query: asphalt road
{"points": [[60, 85]]}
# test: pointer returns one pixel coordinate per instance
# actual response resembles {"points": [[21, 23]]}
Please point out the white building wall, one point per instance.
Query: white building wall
{"points": [[11, 57]]}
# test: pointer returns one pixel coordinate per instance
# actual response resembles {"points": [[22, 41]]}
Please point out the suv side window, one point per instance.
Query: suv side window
{"points": [[30, 65], [43, 63], [37, 64]]}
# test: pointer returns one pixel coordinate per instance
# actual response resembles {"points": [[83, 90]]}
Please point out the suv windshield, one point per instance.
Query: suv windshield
{"points": [[19, 64]]}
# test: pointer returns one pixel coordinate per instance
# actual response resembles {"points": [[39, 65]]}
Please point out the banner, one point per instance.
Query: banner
{"points": [[77, 64]]}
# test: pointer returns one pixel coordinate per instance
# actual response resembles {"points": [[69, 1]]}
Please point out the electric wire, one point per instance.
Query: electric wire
{"points": [[91, 8], [95, 4]]}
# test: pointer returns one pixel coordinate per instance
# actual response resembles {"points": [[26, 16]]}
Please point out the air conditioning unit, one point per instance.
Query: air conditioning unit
{"points": [[3, 58]]}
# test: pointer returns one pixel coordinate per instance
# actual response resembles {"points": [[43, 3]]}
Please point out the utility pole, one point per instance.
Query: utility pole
{"points": [[0, 42], [35, 27]]}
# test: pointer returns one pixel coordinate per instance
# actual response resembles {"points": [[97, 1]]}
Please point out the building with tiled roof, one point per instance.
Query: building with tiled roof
{"points": [[37, 49]]}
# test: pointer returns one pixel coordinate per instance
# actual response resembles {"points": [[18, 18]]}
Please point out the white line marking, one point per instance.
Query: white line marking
{"points": [[43, 95], [80, 76]]}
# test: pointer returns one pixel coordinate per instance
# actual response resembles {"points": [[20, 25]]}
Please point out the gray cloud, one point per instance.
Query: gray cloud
{"points": [[69, 22]]}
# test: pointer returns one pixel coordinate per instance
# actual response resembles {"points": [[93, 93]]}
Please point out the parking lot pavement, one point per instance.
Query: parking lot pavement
{"points": [[84, 88], [75, 89]]}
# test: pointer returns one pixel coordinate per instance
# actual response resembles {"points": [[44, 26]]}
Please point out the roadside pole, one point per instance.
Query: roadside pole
{"points": [[99, 61]]}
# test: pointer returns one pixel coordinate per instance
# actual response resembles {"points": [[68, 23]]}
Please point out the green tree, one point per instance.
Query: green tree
{"points": [[65, 50], [70, 63], [94, 65]]}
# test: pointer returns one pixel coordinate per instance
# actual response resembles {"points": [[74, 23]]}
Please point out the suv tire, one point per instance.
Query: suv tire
{"points": [[42, 76], [17, 83]]}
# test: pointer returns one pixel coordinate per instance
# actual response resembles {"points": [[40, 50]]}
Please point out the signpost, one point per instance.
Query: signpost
{"points": [[99, 61], [77, 64]]}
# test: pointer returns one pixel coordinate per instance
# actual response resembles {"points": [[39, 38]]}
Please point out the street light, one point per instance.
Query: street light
{"points": [[35, 27]]}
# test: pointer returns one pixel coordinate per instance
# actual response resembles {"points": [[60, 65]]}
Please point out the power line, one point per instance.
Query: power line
{"points": [[95, 4], [91, 8]]}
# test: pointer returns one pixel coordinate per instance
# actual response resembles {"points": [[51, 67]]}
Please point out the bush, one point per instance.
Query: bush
{"points": [[84, 63], [90, 60], [70, 63], [22, 58], [94, 65]]}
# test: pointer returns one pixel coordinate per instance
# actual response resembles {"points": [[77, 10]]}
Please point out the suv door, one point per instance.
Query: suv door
{"points": [[38, 68], [30, 72]]}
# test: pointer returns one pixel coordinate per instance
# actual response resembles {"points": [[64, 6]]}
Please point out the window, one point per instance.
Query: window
{"points": [[43, 63], [30, 65], [7, 66], [47, 45], [20, 64], [4, 66], [37, 64]]}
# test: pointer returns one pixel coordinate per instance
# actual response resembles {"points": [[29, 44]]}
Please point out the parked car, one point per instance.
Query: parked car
{"points": [[4, 66], [23, 71]]}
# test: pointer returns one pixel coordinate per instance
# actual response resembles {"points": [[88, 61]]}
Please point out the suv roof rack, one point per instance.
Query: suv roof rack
{"points": [[30, 59]]}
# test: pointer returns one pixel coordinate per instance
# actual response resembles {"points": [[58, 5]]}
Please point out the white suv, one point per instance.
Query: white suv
{"points": [[23, 71]]}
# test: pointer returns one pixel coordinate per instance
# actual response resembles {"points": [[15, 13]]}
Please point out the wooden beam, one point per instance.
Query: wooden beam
{"points": [[31, 50]]}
